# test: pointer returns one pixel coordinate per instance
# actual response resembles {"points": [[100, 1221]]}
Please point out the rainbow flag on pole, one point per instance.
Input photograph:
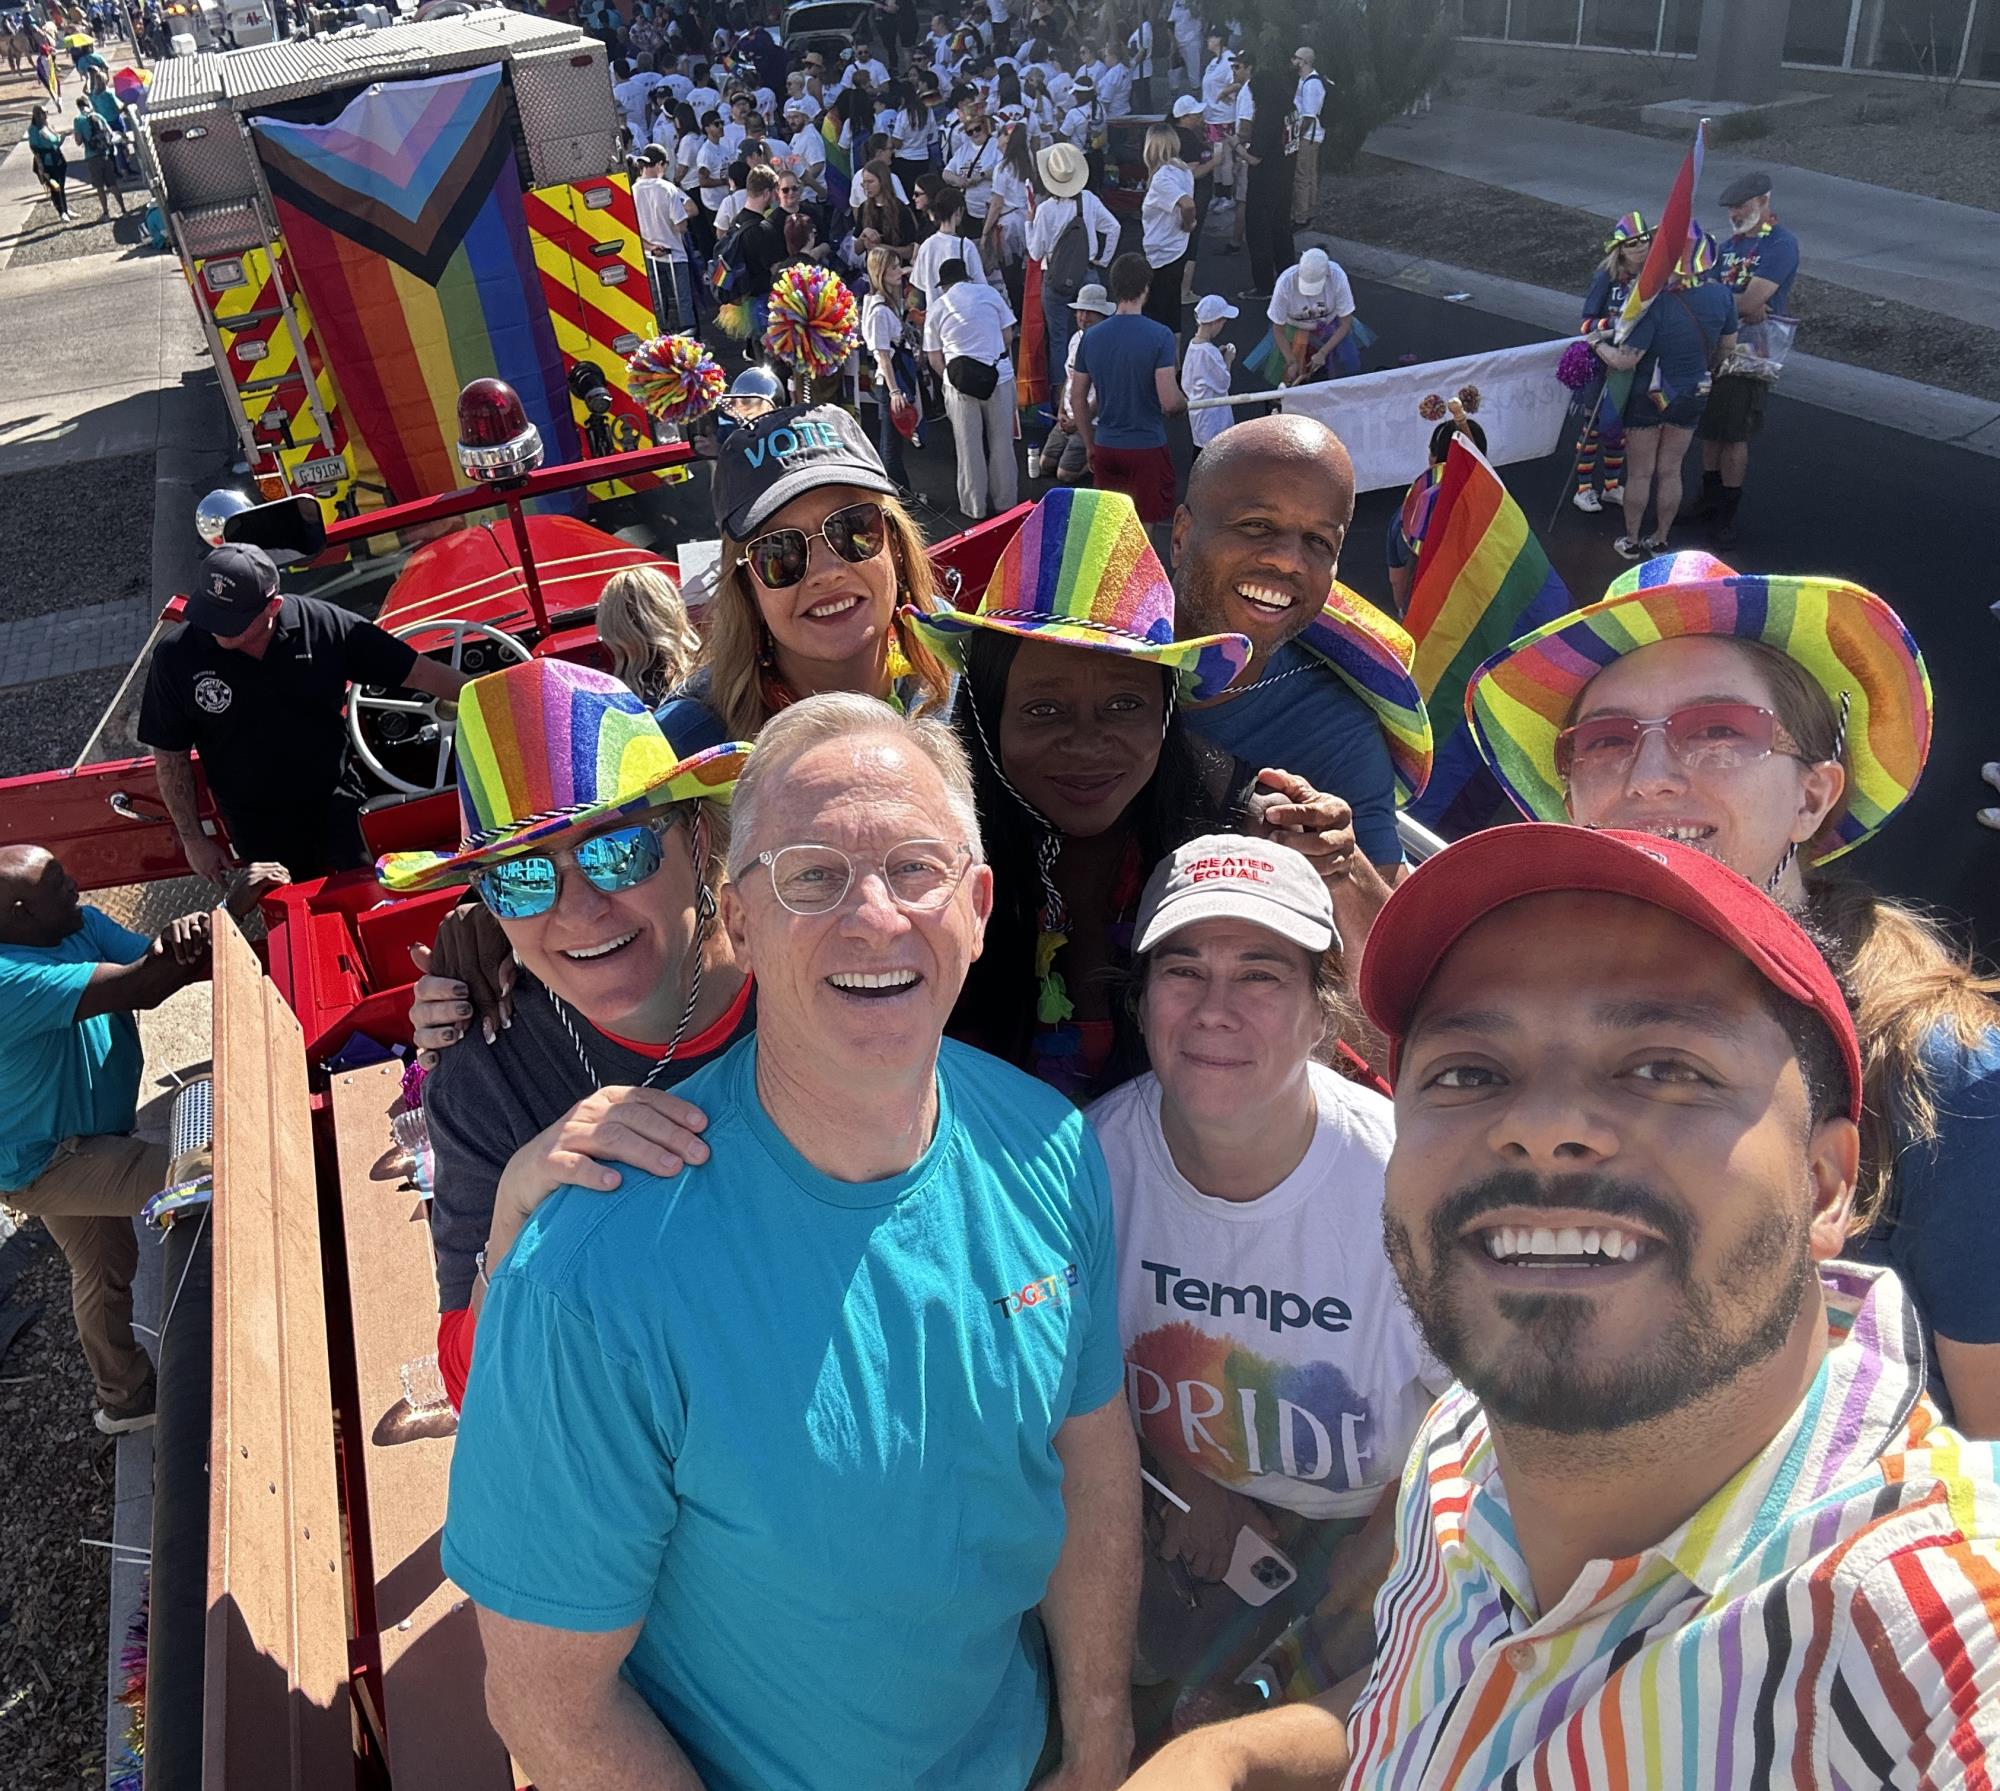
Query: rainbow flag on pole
{"points": [[1482, 581], [1670, 240], [834, 138]]}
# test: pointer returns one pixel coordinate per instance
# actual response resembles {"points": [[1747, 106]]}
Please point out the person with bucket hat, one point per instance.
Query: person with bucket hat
{"points": [[812, 1467], [258, 682], [1776, 723], [595, 847], [1063, 455], [1072, 682], [1275, 1376], [1624, 255], [1070, 233], [1757, 263], [1690, 1462]]}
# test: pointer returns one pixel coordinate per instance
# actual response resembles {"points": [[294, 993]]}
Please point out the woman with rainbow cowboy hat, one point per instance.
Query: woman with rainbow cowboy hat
{"points": [[1776, 723], [1087, 776], [597, 849]]}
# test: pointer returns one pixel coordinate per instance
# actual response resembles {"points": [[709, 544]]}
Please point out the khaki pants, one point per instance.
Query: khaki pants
{"points": [[87, 1197], [1305, 184]]}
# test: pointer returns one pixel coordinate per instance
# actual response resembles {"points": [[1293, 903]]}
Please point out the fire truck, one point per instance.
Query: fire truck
{"points": [[371, 219]]}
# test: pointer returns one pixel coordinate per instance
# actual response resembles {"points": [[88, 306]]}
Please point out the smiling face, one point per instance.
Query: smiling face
{"points": [[1748, 816], [1080, 732], [620, 959], [838, 612], [1231, 1019], [870, 985], [1606, 1195], [1256, 546]]}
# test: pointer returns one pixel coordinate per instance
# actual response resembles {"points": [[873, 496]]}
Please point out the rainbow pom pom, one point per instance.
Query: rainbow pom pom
{"points": [[674, 377], [814, 319], [1578, 366]]}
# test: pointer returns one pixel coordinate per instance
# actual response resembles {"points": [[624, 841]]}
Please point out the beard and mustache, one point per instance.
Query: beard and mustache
{"points": [[1541, 1374]]}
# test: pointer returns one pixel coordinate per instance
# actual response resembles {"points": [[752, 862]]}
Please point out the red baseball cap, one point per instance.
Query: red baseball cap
{"points": [[1449, 894]]}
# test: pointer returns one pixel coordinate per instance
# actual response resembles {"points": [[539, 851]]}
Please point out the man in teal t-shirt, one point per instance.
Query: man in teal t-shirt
{"points": [[71, 981], [808, 1470]]}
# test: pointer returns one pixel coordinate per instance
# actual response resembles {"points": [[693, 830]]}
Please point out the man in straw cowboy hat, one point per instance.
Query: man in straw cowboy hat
{"points": [[811, 1466], [1070, 235], [595, 847]]}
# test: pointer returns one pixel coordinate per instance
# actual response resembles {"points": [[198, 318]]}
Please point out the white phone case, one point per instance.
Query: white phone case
{"points": [[1258, 1571]]}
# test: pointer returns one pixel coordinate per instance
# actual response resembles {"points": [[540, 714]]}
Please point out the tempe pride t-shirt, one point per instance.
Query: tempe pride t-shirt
{"points": [[1265, 1342]]}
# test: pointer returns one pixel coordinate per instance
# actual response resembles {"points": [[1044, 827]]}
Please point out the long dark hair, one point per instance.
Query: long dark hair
{"points": [[885, 212], [1186, 796]]}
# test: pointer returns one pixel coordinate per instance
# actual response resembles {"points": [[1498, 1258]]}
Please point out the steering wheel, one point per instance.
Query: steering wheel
{"points": [[361, 700]]}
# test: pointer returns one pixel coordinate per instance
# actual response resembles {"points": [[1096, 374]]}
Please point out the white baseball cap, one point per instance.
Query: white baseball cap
{"points": [[1229, 876], [1187, 106], [1313, 266], [1212, 307]]}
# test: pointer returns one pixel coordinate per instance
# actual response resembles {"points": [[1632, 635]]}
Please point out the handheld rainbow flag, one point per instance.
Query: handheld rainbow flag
{"points": [[1482, 581], [839, 163], [1670, 240]]}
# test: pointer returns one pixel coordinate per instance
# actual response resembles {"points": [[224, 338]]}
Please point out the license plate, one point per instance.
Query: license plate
{"points": [[321, 471]]}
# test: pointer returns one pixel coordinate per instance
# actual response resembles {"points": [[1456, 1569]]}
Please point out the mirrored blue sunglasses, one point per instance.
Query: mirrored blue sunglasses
{"points": [[522, 887]]}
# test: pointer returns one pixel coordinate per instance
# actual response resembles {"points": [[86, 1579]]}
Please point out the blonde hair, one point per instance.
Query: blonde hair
{"points": [[734, 650], [881, 259], [641, 618], [1163, 145]]}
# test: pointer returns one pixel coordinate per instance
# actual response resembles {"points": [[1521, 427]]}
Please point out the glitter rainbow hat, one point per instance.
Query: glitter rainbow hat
{"points": [[1852, 643], [1371, 654], [547, 750], [1081, 571]]}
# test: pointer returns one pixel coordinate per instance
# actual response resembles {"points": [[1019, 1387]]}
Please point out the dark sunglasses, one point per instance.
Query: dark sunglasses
{"points": [[521, 888], [857, 534], [1702, 737]]}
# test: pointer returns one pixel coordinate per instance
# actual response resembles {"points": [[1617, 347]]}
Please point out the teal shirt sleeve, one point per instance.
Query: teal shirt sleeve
{"points": [[39, 993], [115, 944], [1100, 1366], [562, 1479]]}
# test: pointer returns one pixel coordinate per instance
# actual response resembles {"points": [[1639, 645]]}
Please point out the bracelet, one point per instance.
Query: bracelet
{"points": [[479, 1271]]}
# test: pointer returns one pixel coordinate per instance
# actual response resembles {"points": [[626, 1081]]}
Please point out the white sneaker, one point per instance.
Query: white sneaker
{"points": [[1587, 500], [1614, 494]]}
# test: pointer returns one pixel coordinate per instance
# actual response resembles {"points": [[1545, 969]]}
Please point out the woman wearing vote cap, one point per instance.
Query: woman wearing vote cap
{"points": [[596, 846], [1087, 775], [1777, 723]]}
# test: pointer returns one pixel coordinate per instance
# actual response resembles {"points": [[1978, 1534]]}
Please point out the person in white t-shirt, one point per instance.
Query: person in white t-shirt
{"points": [[1166, 215], [1310, 105], [952, 240], [1274, 1374], [663, 211], [967, 334], [1312, 320], [711, 163], [1205, 368], [971, 166]]}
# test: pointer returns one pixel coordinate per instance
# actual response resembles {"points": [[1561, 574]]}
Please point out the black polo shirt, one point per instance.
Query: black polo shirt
{"points": [[271, 731]]}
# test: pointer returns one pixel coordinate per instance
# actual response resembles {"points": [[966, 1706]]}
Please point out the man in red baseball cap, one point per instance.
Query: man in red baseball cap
{"points": [[1689, 1514]]}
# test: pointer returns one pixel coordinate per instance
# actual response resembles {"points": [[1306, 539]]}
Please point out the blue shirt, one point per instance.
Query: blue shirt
{"points": [[1312, 723], [1679, 334], [1771, 254], [1939, 1233], [61, 1077], [803, 1432], [1121, 353]]}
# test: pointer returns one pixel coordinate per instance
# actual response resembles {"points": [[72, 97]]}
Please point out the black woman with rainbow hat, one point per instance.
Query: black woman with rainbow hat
{"points": [[1069, 707], [1775, 723]]}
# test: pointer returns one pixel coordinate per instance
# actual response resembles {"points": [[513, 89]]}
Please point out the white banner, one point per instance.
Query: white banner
{"points": [[1383, 420]]}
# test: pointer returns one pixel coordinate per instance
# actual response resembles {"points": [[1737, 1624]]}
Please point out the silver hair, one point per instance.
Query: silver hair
{"points": [[847, 715]]}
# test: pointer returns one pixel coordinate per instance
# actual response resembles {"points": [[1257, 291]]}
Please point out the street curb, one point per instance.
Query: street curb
{"points": [[1880, 398]]}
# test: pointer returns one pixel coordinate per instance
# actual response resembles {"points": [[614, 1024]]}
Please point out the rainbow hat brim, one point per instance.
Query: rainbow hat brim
{"points": [[1205, 666], [1372, 656], [710, 774], [1851, 642]]}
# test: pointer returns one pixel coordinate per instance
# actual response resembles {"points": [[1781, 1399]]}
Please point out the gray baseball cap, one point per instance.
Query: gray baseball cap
{"points": [[786, 454], [1229, 876]]}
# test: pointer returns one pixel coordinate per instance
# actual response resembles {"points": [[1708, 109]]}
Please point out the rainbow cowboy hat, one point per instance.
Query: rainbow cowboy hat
{"points": [[548, 749], [1851, 642], [1372, 656], [1080, 571]]}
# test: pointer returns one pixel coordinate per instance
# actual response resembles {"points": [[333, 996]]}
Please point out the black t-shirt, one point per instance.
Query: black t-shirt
{"points": [[763, 246], [483, 1102], [1272, 96], [270, 731]]}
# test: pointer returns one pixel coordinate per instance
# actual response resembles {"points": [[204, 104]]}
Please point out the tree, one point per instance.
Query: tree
{"points": [[1377, 56]]}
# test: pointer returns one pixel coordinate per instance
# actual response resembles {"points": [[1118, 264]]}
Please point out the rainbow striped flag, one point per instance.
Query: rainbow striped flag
{"points": [[404, 227], [839, 164], [1482, 581], [1670, 239]]}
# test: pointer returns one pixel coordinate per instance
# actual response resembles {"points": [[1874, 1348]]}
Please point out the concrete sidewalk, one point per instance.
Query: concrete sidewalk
{"points": [[1925, 252]]}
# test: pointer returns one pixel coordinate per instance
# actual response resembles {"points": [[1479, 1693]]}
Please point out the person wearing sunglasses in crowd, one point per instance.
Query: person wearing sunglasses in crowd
{"points": [[1069, 708], [817, 555], [596, 847], [1776, 723], [811, 1468]]}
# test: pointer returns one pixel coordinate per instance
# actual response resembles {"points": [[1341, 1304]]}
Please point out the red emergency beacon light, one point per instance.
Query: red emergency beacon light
{"points": [[496, 442]]}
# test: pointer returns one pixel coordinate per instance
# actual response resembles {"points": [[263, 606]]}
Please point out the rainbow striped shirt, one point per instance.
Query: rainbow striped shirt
{"points": [[1831, 1618]]}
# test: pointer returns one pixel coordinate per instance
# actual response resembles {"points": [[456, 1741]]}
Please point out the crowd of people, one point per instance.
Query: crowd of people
{"points": [[990, 1229]]}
